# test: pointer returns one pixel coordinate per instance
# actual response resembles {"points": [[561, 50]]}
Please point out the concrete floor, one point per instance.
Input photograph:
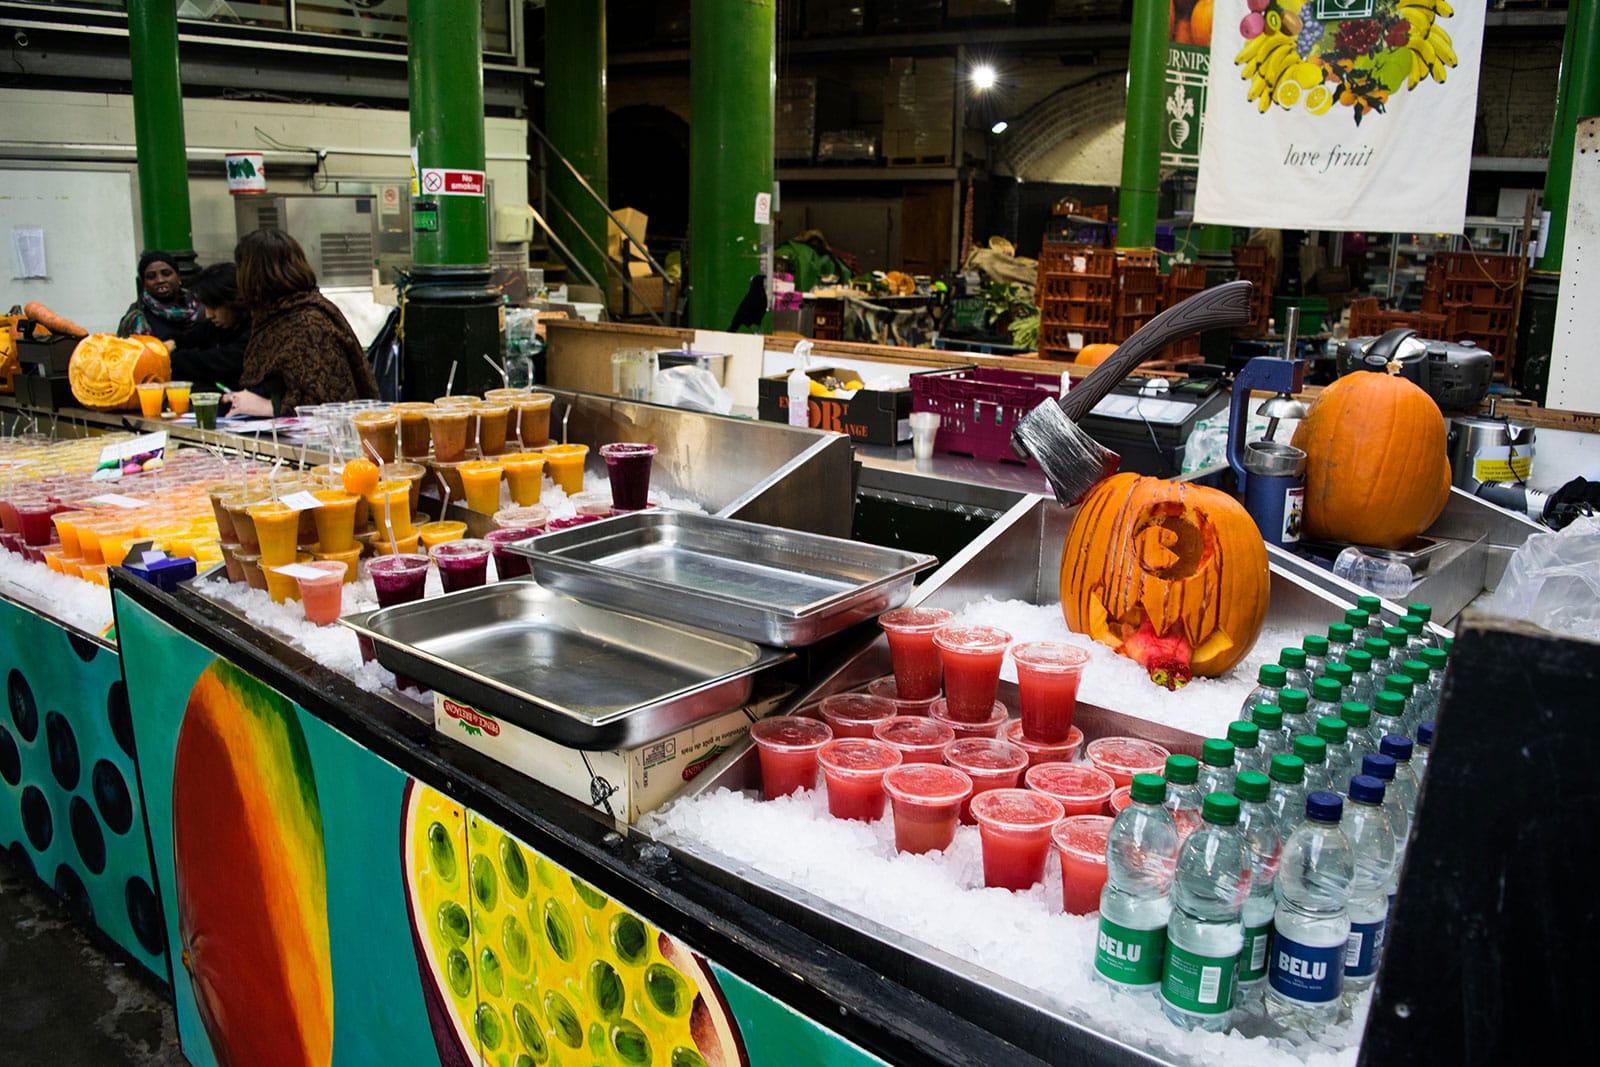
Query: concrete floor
{"points": [[63, 999]]}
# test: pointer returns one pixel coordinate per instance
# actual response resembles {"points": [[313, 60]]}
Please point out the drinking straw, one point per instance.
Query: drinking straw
{"points": [[564, 418], [449, 383], [498, 370]]}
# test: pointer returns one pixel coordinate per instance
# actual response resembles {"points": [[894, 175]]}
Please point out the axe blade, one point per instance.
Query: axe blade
{"points": [[1072, 461]]}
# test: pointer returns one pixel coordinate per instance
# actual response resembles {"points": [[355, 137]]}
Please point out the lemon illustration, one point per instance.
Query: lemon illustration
{"points": [[1306, 75], [1287, 93], [1319, 100]]}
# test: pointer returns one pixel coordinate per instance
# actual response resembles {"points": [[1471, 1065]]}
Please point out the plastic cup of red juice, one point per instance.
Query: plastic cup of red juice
{"points": [[1124, 757], [889, 689], [787, 746], [919, 740], [1082, 790], [993, 726], [1042, 752], [911, 648], [321, 596], [1121, 797], [509, 564], [397, 579], [925, 799], [1048, 673], [855, 714], [1014, 826], [853, 767], [989, 763], [971, 658], [628, 466], [463, 564], [1081, 841]]}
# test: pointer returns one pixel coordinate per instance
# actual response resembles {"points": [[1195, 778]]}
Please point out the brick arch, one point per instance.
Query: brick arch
{"points": [[1085, 107]]}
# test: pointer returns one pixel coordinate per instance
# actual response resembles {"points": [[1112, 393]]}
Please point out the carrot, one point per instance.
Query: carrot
{"points": [[51, 321]]}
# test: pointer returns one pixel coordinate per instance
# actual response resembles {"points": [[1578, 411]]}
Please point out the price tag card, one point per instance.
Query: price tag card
{"points": [[151, 558], [117, 500], [131, 456], [301, 501], [299, 570]]}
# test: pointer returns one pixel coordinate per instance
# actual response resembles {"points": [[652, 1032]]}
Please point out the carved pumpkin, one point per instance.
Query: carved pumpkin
{"points": [[106, 370], [1170, 574], [9, 367], [1094, 355], [1377, 470]]}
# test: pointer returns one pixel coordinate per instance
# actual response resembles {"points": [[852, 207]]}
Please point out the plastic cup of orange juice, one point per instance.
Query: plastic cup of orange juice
{"points": [[566, 466], [178, 397], [379, 432], [480, 482], [283, 587], [437, 533], [492, 418], [277, 533], [409, 472], [533, 419], [390, 506], [67, 530], [349, 559], [524, 476], [335, 519], [151, 394], [448, 425]]}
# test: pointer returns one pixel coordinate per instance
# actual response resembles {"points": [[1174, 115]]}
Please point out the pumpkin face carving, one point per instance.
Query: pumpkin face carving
{"points": [[106, 370], [1172, 575]]}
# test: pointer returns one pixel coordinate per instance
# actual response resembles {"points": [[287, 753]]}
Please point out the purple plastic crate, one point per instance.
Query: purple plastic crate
{"points": [[979, 407]]}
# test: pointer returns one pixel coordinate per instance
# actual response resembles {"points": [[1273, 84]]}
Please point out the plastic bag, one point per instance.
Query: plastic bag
{"points": [[1553, 581], [691, 387]]}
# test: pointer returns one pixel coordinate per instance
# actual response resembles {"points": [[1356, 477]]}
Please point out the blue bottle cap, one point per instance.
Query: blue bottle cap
{"points": [[1378, 766], [1367, 789], [1396, 746], [1324, 807], [1425, 734]]}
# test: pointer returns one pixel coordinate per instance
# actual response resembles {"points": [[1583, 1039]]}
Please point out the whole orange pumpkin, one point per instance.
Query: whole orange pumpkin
{"points": [[1377, 469], [1170, 574], [1094, 355], [106, 370]]}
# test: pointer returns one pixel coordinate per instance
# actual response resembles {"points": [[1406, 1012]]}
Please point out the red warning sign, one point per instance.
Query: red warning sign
{"points": [[440, 182]]}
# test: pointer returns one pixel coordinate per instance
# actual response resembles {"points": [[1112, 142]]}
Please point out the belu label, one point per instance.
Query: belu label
{"points": [[1310, 973], [1127, 956]]}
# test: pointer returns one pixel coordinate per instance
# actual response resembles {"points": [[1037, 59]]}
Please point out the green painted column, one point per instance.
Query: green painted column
{"points": [[1141, 136], [158, 127], [445, 59], [1577, 97], [575, 122], [1216, 238], [731, 76]]}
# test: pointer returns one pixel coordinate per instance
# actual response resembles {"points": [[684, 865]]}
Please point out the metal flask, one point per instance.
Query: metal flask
{"points": [[1275, 489]]}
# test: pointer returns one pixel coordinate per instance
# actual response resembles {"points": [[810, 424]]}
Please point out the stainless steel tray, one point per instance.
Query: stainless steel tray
{"points": [[762, 583], [581, 675]]}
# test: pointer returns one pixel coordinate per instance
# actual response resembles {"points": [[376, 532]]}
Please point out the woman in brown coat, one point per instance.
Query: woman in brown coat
{"points": [[301, 350]]}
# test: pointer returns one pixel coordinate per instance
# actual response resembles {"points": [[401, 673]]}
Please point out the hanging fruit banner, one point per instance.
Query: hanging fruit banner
{"points": [[1340, 114], [1188, 61]]}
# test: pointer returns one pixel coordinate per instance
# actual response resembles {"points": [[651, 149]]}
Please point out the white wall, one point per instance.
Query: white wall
{"points": [[87, 218]]}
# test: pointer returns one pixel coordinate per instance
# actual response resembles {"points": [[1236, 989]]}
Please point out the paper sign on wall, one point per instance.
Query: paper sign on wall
{"points": [[763, 209]]}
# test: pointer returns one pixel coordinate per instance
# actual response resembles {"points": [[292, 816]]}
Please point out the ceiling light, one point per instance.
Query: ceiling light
{"points": [[999, 127], [983, 76]]}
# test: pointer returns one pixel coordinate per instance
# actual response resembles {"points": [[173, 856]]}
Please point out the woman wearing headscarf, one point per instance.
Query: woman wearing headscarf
{"points": [[213, 352], [301, 350], [165, 310]]}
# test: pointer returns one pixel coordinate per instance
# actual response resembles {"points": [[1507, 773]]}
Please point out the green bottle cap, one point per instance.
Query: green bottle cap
{"points": [[1400, 683], [1293, 701], [1369, 604], [1421, 611], [1412, 624], [1416, 670], [1449, 645], [1332, 730], [1326, 689], [1244, 734], [1310, 748], [1342, 673], [1220, 810], [1359, 660], [1267, 717], [1341, 633], [1377, 647], [1182, 770], [1356, 618], [1216, 752], [1288, 769], [1390, 703], [1434, 658], [1355, 713], [1148, 789], [1293, 659], [1272, 675], [1252, 786], [1395, 635], [1315, 645]]}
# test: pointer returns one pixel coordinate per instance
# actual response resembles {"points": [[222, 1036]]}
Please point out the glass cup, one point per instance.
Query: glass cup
{"points": [[854, 714], [416, 439], [628, 465], [971, 657], [1048, 673], [916, 658], [205, 409], [480, 484], [437, 533], [509, 564], [533, 420], [335, 519], [178, 397], [853, 767], [888, 688], [992, 727], [1081, 842], [1015, 827], [919, 739], [283, 588], [926, 799], [448, 425], [151, 394], [1041, 751], [379, 433], [1124, 757], [492, 419], [524, 476], [989, 763], [565, 463], [1081, 790], [322, 596], [462, 564], [787, 746]]}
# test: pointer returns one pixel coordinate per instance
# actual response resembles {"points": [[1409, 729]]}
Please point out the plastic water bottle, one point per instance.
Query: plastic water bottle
{"points": [[1416, 629], [1141, 855], [1436, 660], [1380, 651], [1315, 646], [1382, 768], [1341, 758], [1389, 716], [1270, 738], [1216, 766], [1341, 636], [1358, 620], [1269, 683], [1313, 752], [1342, 673], [1425, 613], [1358, 717], [1421, 749], [1293, 703], [1424, 693], [1184, 799], [1366, 827], [1206, 929], [1359, 660], [1260, 828], [1326, 696], [1293, 662], [1399, 749], [1287, 800], [1247, 752], [1398, 652], [1386, 577], [1374, 609], [1311, 924], [1402, 684]]}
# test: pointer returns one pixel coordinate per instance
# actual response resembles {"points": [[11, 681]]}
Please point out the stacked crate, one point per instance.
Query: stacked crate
{"points": [[1076, 287], [1138, 294], [1367, 319], [1185, 280], [1477, 295], [1255, 266]]}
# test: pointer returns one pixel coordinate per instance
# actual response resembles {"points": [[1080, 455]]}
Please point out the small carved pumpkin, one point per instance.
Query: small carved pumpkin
{"points": [[106, 370], [1170, 574], [1377, 469]]}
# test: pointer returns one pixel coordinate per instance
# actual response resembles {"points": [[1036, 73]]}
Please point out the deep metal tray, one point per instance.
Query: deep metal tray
{"points": [[762, 583], [581, 675]]}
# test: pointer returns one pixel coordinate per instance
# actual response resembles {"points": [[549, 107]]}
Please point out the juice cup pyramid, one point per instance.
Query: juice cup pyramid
{"points": [[1014, 826], [916, 659], [925, 798], [787, 746]]}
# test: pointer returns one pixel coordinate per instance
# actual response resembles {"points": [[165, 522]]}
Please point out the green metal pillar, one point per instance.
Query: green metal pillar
{"points": [[731, 76], [451, 327], [1216, 238], [575, 122], [1142, 134], [158, 128], [1577, 96]]}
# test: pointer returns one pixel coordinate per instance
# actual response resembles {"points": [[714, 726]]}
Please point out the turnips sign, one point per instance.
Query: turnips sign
{"points": [[1340, 114]]}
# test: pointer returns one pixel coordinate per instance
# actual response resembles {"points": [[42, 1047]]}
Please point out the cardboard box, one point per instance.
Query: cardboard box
{"points": [[635, 221], [872, 416], [652, 289], [625, 783]]}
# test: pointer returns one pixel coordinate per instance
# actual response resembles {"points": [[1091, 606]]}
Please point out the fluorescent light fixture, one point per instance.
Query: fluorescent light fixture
{"points": [[999, 127], [983, 76]]}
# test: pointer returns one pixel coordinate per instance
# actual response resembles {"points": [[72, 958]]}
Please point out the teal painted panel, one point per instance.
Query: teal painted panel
{"points": [[776, 1035]]}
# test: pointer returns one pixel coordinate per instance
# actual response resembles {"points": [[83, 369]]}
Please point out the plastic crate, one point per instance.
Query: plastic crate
{"points": [[1076, 313], [1479, 266], [1480, 292], [1060, 341], [978, 407], [1066, 286], [1064, 258], [1472, 321]]}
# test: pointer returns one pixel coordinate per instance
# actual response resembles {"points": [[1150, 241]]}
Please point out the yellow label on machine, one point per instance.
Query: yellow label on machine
{"points": [[1504, 463]]}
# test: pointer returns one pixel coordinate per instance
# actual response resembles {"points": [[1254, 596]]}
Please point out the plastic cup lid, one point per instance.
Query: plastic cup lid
{"points": [[858, 755], [856, 708], [913, 732], [927, 783], [1054, 657], [791, 732], [627, 449], [468, 546], [939, 710], [985, 755], [1018, 810], [1127, 753], [971, 638], [405, 561], [915, 620], [1071, 781], [1084, 836], [1064, 750]]}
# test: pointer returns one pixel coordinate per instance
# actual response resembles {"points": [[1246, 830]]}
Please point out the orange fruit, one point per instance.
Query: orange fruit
{"points": [[360, 476]]}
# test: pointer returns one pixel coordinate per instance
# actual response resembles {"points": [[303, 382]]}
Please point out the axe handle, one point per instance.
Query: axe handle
{"points": [[1227, 304]]}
